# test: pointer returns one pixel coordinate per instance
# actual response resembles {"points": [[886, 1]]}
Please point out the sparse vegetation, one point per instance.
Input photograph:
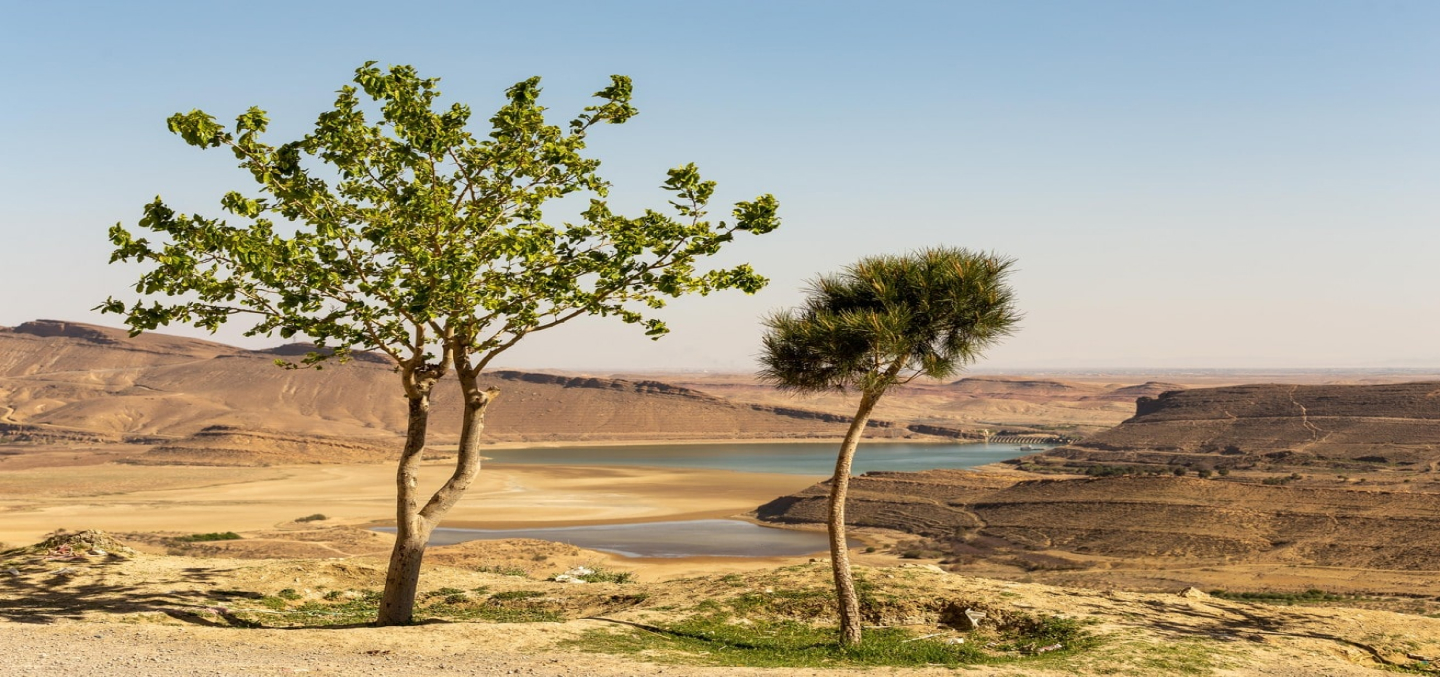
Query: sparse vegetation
{"points": [[503, 570], [1282, 480], [1125, 470], [922, 554], [776, 629], [213, 536], [354, 607], [604, 575], [1311, 596]]}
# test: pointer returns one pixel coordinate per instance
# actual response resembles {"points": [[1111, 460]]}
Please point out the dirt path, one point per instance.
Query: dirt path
{"points": [[432, 650]]}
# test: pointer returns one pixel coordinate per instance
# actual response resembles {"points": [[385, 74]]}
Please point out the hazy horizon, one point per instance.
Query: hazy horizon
{"points": [[1225, 185]]}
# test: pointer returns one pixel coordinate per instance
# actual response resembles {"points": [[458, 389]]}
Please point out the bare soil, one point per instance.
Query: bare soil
{"points": [[131, 613]]}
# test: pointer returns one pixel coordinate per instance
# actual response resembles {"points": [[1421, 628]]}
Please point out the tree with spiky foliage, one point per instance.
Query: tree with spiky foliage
{"points": [[880, 322], [408, 235]]}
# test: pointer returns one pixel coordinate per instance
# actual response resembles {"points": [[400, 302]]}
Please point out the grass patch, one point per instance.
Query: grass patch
{"points": [[361, 607], [1311, 596], [213, 536], [317, 517], [1188, 656], [503, 571], [596, 575], [722, 640], [777, 629]]}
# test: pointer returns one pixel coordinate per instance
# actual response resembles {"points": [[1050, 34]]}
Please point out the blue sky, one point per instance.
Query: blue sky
{"points": [[1200, 184]]}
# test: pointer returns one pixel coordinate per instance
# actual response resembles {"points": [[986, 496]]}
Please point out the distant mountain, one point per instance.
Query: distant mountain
{"points": [[69, 381], [1001, 387]]}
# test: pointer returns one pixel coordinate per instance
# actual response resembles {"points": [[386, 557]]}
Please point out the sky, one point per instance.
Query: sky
{"points": [[1183, 184]]}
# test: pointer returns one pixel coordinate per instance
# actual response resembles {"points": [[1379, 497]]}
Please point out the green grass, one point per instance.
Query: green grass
{"points": [[1311, 596], [213, 536], [720, 639], [1184, 656], [503, 571], [603, 575], [712, 640], [777, 629], [358, 608]]}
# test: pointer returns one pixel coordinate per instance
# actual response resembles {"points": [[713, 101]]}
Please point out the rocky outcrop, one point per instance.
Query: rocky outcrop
{"points": [[1242, 426], [56, 328], [230, 446], [1139, 517]]}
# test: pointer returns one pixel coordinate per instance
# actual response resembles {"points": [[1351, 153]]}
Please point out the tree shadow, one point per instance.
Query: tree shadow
{"points": [[1238, 620], [38, 594]]}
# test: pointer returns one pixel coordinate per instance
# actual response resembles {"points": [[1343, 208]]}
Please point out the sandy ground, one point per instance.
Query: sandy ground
{"points": [[126, 498], [138, 614]]}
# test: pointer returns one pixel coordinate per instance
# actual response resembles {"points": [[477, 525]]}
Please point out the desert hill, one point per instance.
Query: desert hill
{"points": [[1337, 426], [1177, 519], [1014, 405], [64, 381], [998, 386], [1306, 480], [224, 445]]}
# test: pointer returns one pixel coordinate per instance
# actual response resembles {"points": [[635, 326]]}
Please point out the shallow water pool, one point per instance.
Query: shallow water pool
{"points": [[797, 458], [689, 538]]}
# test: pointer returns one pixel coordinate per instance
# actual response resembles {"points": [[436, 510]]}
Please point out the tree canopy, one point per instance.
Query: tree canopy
{"points": [[408, 232], [887, 319]]}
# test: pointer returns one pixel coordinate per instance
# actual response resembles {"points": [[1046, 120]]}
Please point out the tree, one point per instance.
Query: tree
{"points": [[881, 322], [410, 236]]}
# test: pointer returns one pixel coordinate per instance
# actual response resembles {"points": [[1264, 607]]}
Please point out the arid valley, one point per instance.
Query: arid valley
{"points": [[1227, 526]]}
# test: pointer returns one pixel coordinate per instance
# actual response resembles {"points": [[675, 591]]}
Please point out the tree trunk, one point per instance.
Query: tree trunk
{"points": [[845, 596], [467, 460], [397, 603], [413, 524]]}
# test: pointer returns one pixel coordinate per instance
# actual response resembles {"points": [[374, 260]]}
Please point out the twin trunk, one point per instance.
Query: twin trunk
{"points": [[414, 523]]}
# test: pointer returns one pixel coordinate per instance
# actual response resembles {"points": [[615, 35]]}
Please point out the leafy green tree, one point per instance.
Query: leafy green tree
{"points": [[397, 230], [881, 322]]}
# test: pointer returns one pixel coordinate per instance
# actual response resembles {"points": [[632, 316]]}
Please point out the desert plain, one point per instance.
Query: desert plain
{"points": [[155, 439]]}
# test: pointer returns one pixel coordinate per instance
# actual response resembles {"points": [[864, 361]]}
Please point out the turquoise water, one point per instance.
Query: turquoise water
{"points": [[715, 538], [796, 458], [720, 538]]}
